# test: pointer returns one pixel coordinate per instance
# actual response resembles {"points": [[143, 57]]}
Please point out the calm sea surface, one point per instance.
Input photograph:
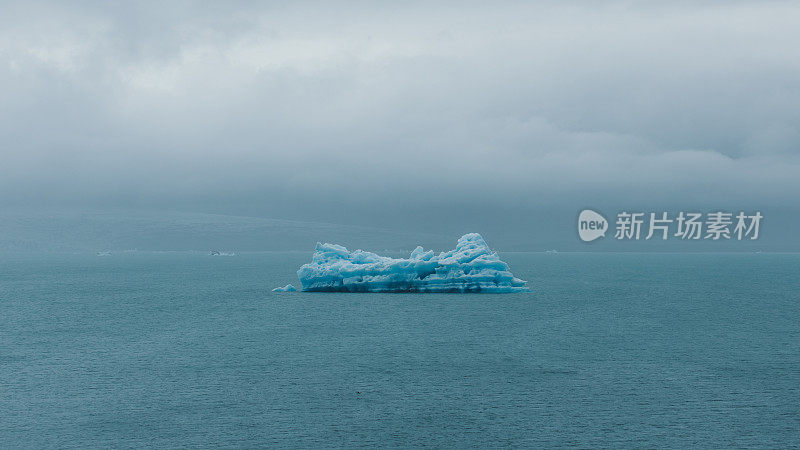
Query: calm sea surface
{"points": [[616, 350]]}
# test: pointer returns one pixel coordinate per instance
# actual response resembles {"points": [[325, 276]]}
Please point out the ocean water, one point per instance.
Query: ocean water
{"points": [[609, 350]]}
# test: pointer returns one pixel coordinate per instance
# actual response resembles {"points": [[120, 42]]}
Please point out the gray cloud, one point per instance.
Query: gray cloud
{"points": [[369, 107]]}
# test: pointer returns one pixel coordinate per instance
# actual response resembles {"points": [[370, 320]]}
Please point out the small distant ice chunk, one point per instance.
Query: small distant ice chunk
{"points": [[471, 267], [287, 288]]}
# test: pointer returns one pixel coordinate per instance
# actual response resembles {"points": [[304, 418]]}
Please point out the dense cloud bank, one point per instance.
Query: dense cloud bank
{"points": [[186, 103]]}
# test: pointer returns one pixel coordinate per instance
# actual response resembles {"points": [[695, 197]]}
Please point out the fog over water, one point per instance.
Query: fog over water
{"points": [[506, 119]]}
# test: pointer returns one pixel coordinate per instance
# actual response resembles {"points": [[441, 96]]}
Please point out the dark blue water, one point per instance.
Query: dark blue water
{"points": [[618, 350]]}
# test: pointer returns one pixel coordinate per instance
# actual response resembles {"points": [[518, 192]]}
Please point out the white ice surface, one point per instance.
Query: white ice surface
{"points": [[287, 288]]}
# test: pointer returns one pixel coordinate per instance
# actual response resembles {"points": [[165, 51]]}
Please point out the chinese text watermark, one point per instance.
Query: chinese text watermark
{"points": [[714, 226]]}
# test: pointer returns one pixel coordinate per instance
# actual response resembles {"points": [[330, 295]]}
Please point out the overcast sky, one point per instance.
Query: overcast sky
{"points": [[363, 112]]}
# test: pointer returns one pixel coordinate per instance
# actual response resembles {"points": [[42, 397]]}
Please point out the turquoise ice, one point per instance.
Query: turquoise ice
{"points": [[471, 267]]}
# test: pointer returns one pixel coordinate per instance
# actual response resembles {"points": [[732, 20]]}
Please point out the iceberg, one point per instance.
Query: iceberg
{"points": [[287, 288], [471, 267]]}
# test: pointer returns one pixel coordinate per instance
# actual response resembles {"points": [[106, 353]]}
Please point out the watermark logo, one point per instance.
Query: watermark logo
{"points": [[636, 226], [591, 225]]}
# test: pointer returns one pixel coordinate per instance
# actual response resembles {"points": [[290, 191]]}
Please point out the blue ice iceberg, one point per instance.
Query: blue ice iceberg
{"points": [[471, 267], [287, 288]]}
